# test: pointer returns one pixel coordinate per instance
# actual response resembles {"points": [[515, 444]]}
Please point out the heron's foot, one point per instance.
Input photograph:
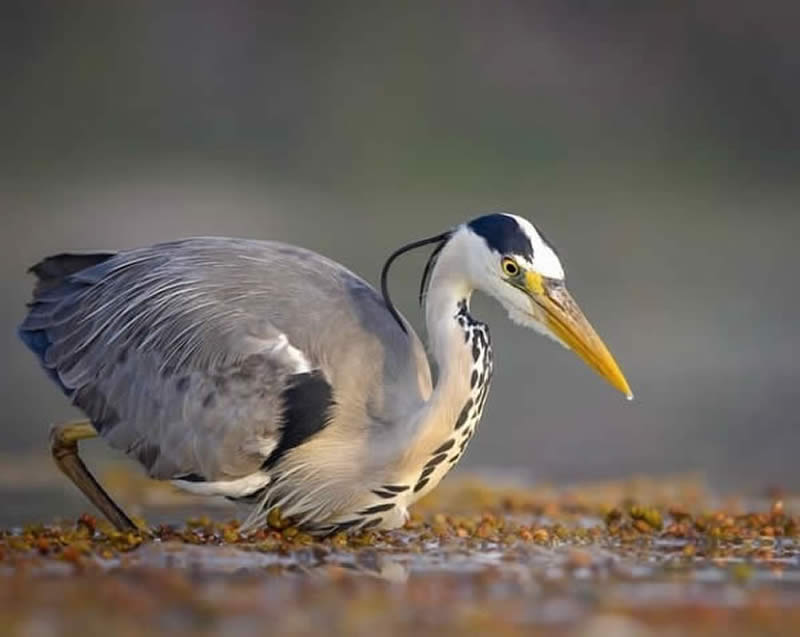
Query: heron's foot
{"points": [[64, 440]]}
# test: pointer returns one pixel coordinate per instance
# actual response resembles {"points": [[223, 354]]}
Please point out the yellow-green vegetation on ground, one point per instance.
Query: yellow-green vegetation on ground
{"points": [[637, 557]]}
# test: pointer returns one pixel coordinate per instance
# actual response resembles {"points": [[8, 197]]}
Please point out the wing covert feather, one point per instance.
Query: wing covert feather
{"points": [[180, 352]]}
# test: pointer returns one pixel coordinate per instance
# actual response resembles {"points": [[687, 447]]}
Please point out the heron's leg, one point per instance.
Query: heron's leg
{"points": [[64, 440]]}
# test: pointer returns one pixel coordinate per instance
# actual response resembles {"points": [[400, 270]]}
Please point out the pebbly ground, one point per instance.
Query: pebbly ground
{"points": [[637, 557]]}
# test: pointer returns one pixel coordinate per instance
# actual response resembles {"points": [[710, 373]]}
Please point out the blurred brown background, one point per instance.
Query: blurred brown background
{"points": [[657, 144]]}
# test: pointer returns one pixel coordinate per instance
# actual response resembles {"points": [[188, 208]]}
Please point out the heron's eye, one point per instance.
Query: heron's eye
{"points": [[510, 266]]}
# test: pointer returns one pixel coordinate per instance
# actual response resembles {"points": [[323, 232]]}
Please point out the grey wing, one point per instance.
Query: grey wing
{"points": [[210, 358], [162, 351]]}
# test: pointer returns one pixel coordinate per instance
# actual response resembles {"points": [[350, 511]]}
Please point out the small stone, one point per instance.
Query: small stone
{"points": [[578, 558]]}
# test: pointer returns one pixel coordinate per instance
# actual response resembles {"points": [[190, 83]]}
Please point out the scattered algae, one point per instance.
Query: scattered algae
{"points": [[654, 555]]}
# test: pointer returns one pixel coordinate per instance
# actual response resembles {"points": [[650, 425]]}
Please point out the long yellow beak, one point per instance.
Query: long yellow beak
{"points": [[566, 320]]}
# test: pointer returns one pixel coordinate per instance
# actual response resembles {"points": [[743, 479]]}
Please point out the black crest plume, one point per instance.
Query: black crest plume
{"points": [[441, 239]]}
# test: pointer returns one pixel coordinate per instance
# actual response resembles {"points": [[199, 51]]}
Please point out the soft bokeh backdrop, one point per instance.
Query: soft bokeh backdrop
{"points": [[657, 144]]}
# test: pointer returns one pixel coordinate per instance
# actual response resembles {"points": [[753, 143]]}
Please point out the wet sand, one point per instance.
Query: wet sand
{"points": [[638, 557]]}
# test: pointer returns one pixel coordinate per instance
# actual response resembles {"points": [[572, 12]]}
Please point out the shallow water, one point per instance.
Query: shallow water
{"points": [[474, 558]]}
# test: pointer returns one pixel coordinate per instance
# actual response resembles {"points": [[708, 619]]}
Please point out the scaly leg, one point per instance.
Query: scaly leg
{"points": [[64, 440]]}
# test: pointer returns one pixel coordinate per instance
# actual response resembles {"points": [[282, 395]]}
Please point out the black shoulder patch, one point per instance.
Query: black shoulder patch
{"points": [[308, 404], [502, 234]]}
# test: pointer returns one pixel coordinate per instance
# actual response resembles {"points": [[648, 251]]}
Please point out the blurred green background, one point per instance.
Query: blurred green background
{"points": [[657, 144]]}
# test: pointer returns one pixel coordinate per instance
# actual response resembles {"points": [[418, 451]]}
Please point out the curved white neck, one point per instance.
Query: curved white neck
{"points": [[421, 450], [448, 295]]}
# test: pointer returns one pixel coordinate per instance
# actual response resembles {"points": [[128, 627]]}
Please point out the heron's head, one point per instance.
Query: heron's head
{"points": [[508, 258]]}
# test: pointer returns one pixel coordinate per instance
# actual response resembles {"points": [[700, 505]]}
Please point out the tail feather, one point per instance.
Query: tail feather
{"points": [[52, 283], [52, 271]]}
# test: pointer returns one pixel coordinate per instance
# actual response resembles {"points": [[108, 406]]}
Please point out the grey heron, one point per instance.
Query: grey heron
{"points": [[273, 376]]}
